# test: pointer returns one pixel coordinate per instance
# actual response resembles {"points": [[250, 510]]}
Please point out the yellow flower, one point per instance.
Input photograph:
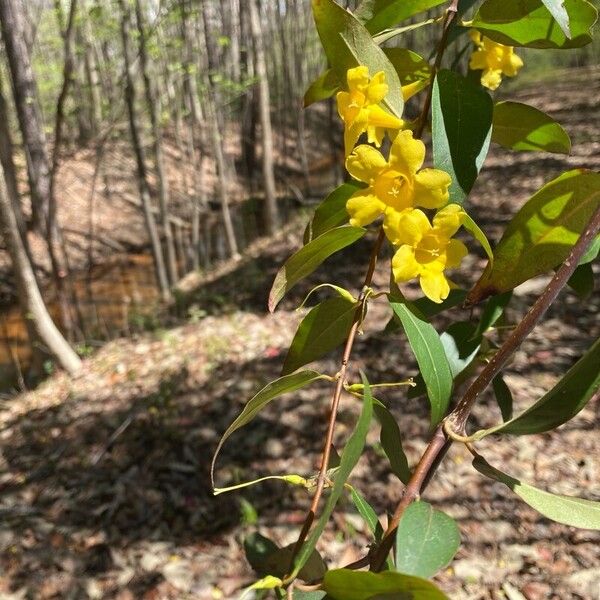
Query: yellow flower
{"points": [[359, 108], [495, 60], [394, 185], [426, 251]]}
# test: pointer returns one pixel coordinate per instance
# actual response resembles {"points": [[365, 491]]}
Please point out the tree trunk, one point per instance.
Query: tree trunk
{"points": [[14, 32], [163, 185], [271, 211], [142, 180], [32, 304]]}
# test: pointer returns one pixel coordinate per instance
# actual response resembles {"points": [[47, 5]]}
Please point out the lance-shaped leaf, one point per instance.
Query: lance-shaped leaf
{"points": [[331, 212], [582, 281], [283, 385], [461, 343], [541, 234], [461, 130], [431, 358], [366, 511], [519, 126], [529, 23], [325, 86], [559, 12], [426, 540], [413, 70], [308, 258], [568, 397], [324, 328], [503, 397], [391, 442], [348, 44], [344, 584], [350, 455], [378, 15], [469, 224], [568, 510]]}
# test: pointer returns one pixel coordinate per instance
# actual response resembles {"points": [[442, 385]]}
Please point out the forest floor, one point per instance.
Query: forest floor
{"points": [[104, 479]]}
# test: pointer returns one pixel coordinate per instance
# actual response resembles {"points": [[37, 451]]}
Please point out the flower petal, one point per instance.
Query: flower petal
{"points": [[512, 64], [434, 285], [377, 88], [407, 154], [404, 265], [455, 252], [475, 36], [406, 227], [365, 163], [364, 207], [358, 78], [431, 188], [448, 220], [478, 60], [375, 135], [491, 78], [381, 118], [351, 135]]}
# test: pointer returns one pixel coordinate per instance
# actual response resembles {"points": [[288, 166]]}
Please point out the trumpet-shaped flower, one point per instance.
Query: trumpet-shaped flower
{"points": [[495, 60], [359, 108], [426, 251], [396, 184]]}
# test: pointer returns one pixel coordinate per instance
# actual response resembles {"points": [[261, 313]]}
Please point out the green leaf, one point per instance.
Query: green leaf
{"points": [[493, 310], [503, 397], [478, 234], [426, 540], [365, 510], [568, 510], [562, 402], [582, 281], [331, 212], [308, 258], [378, 15], [529, 23], [519, 126], [592, 252], [413, 70], [388, 34], [461, 345], [541, 234], [323, 329], [431, 358], [283, 385], [348, 44], [325, 86], [461, 130], [302, 595], [559, 12], [278, 562], [391, 442], [344, 584], [350, 455], [257, 548]]}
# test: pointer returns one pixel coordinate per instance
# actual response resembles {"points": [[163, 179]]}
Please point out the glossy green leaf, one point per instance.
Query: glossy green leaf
{"points": [[529, 23], [426, 540], [365, 510], [331, 212], [391, 442], [348, 44], [461, 345], [378, 15], [474, 229], [503, 397], [283, 385], [431, 358], [541, 234], [559, 12], [568, 510], [592, 252], [323, 329], [582, 281], [519, 126], [493, 310], [461, 130], [568, 397], [257, 548], [413, 70], [344, 584], [325, 86], [350, 455], [389, 34], [308, 258]]}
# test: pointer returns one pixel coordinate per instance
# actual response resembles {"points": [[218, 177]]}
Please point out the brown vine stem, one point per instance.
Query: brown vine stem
{"points": [[335, 401], [457, 419]]}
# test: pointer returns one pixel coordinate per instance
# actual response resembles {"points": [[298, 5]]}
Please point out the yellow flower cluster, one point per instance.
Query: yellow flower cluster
{"points": [[495, 60], [397, 188]]}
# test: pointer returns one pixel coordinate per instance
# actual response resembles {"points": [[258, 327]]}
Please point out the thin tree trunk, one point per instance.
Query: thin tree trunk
{"points": [[271, 211], [14, 32], [163, 184], [32, 304], [159, 265]]}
